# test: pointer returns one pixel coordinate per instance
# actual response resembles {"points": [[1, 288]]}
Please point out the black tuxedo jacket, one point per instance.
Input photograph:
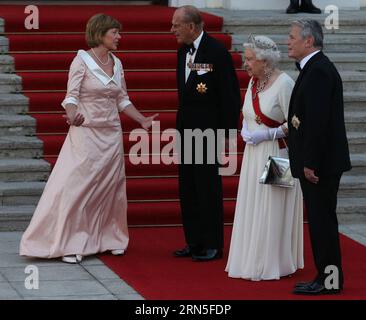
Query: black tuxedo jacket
{"points": [[319, 142], [219, 107]]}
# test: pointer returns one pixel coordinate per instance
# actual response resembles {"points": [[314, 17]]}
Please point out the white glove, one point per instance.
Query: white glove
{"points": [[259, 136], [276, 133], [245, 133]]}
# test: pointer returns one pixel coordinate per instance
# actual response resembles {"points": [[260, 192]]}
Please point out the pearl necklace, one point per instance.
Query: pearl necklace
{"points": [[104, 64]]}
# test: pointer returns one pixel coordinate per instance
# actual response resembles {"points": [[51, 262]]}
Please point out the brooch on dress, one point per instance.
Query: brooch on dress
{"points": [[295, 122], [258, 119]]}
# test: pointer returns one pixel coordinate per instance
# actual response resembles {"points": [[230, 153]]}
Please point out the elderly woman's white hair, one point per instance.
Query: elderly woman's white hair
{"points": [[264, 49]]}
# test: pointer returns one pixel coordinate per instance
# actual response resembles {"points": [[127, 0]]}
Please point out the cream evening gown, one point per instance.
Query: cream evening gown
{"points": [[83, 207], [267, 236]]}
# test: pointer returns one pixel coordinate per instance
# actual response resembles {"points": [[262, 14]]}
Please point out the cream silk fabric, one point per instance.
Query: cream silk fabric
{"points": [[267, 236]]}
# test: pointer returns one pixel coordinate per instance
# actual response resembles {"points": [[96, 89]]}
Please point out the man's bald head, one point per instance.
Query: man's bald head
{"points": [[191, 14], [187, 24]]}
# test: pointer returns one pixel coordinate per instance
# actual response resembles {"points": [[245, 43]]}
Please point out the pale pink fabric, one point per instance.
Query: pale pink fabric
{"points": [[83, 209]]}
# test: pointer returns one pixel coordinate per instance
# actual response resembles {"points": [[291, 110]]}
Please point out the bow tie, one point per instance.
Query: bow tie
{"points": [[298, 66], [191, 49]]}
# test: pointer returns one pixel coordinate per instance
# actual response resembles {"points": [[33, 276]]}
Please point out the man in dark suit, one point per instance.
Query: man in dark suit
{"points": [[209, 99], [318, 150]]}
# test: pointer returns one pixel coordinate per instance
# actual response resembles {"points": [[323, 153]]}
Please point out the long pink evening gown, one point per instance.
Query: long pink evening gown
{"points": [[83, 209]]}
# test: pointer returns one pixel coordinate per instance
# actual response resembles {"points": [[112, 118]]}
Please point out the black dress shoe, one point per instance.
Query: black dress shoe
{"points": [[188, 251], [182, 253], [315, 288], [308, 7], [210, 254], [293, 7], [302, 284]]}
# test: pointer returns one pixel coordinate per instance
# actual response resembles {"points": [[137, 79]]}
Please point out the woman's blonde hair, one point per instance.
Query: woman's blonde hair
{"points": [[97, 27]]}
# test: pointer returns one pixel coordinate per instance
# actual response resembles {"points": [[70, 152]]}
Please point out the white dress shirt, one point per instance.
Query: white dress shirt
{"points": [[196, 44], [305, 60]]}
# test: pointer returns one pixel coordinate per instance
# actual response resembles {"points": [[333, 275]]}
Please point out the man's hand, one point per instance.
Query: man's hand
{"points": [[310, 175]]}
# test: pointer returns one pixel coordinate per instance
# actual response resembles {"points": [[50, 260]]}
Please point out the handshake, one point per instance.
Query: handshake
{"points": [[257, 136]]}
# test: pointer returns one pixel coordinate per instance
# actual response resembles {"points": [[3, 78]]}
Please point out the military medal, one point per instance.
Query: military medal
{"points": [[201, 88], [295, 122], [208, 67]]}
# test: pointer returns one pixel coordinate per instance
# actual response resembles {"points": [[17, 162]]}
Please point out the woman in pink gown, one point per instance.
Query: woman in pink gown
{"points": [[83, 209]]}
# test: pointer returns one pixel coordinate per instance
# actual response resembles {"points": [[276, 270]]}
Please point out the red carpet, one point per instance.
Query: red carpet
{"points": [[55, 123], [144, 170], [50, 102], [134, 79], [166, 212], [71, 42], [55, 18], [131, 60], [53, 143], [150, 269]]}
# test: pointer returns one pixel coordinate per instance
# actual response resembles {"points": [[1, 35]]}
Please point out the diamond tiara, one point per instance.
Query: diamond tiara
{"points": [[262, 42]]}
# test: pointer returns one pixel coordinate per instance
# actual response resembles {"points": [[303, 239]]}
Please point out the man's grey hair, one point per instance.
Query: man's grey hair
{"points": [[311, 28], [192, 15]]}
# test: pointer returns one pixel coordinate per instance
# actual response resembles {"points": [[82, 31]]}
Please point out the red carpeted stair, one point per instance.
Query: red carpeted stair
{"points": [[34, 81], [66, 18], [130, 41], [148, 53], [131, 60]]}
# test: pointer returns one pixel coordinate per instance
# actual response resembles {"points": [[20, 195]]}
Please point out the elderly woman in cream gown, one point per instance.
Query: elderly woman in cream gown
{"points": [[267, 236], [83, 208]]}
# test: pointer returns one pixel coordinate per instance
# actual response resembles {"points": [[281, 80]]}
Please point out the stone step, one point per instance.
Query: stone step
{"points": [[10, 83], [15, 218], [348, 206], [342, 61], [354, 101], [358, 161], [355, 120], [12, 170], [357, 142], [13, 103], [4, 45], [20, 193], [333, 43], [352, 80], [17, 125], [352, 186], [6, 63], [278, 22], [20, 147]]}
